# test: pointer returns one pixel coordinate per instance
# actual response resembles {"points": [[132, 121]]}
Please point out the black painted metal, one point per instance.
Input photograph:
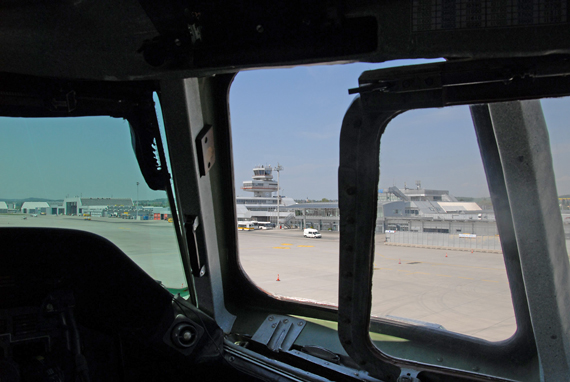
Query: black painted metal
{"points": [[362, 127]]}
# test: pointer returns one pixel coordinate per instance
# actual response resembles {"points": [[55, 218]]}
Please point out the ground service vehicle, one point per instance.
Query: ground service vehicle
{"points": [[311, 232], [72, 304]]}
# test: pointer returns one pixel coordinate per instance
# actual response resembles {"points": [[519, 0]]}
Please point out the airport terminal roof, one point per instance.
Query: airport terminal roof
{"points": [[32, 205], [427, 207], [459, 206], [86, 202]]}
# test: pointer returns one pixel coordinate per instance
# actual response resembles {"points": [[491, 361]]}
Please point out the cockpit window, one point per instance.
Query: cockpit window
{"points": [[285, 130], [81, 173], [438, 259]]}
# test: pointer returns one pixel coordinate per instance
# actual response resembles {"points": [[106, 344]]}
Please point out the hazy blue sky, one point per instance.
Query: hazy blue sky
{"points": [[294, 116], [291, 116]]}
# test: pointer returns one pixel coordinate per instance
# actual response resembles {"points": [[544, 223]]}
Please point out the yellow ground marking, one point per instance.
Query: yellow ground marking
{"points": [[281, 248], [466, 278], [306, 246], [286, 244], [490, 281], [422, 273], [124, 228], [444, 275]]}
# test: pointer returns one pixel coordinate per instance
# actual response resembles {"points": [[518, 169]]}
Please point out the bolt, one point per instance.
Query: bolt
{"points": [[285, 321], [300, 323], [177, 42], [49, 307], [232, 358], [259, 28], [270, 318], [274, 326]]}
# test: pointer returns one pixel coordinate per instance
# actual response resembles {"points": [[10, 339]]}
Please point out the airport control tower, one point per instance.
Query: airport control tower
{"points": [[262, 183]]}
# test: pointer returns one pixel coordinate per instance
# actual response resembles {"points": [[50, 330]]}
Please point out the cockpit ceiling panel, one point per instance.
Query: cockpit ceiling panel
{"points": [[127, 40]]}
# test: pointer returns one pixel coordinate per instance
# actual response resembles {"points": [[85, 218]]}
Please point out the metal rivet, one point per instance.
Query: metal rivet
{"points": [[300, 323], [274, 325], [259, 28], [232, 358], [285, 321], [270, 318]]}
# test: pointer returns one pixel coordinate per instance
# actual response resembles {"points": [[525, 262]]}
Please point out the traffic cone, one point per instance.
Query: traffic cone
{"points": [[471, 251], [445, 254], [278, 277], [399, 261]]}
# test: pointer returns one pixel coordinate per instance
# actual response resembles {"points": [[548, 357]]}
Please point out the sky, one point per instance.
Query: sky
{"points": [[293, 117], [288, 116]]}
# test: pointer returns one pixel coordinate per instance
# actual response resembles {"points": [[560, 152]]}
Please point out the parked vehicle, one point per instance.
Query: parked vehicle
{"points": [[311, 232]]}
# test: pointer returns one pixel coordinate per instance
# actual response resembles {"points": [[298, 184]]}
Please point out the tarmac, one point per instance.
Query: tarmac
{"points": [[462, 291]]}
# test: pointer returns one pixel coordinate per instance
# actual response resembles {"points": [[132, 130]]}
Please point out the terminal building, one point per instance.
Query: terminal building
{"points": [[263, 206], [412, 210]]}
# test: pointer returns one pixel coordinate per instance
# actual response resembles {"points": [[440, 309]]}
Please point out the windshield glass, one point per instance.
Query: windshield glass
{"points": [[81, 173], [438, 256]]}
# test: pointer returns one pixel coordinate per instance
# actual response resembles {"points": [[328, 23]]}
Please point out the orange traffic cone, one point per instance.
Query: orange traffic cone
{"points": [[399, 261], [445, 254], [278, 277], [471, 251]]}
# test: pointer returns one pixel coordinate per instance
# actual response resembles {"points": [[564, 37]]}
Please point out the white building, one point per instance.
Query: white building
{"points": [[263, 205]]}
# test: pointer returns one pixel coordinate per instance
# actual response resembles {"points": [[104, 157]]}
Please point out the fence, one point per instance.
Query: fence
{"points": [[482, 236]]}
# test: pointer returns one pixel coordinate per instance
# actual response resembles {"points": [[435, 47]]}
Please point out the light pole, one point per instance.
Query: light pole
{"points": [[279, 168], [137, 205]]}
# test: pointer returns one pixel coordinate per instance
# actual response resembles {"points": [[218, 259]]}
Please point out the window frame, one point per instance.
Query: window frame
{"points": [[384, 94]]}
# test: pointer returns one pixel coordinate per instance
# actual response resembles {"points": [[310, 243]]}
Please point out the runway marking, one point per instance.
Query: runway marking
{"points": [[286, 244], [281, 248], [124, 228], [422, 273], [306, 246], [444, 276], [466, 278], [490, 281]]}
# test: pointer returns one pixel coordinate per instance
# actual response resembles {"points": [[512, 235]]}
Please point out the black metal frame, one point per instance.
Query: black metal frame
{"points": [[386, 93]]}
